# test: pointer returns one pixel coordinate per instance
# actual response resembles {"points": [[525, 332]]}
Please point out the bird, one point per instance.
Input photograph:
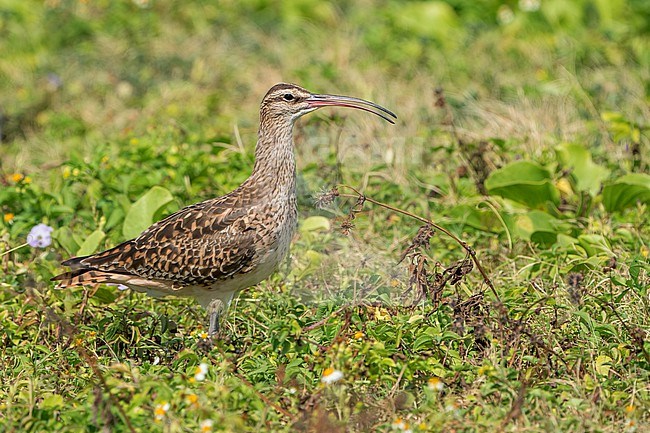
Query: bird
{"points": [[211, 250]]}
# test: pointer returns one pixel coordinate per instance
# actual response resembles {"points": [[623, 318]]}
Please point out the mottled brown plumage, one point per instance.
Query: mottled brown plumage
{"points": [[211, 250]]}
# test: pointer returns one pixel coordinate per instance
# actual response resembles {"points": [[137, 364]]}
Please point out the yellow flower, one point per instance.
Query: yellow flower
{"points": [[629, 408], [358, 335], [134, 141], [192, 400], [381, 314], [27, 179], [66, 172], [645, 251], [484, 370], [16, 177], [8, 217], [564, 186]]}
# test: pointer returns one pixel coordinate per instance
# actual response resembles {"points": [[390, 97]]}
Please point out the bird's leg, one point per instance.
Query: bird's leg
{"points": [[215, 309]]}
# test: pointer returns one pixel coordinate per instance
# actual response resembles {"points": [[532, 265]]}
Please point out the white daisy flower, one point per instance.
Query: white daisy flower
{"points": [[200, 372], [331, 375]]}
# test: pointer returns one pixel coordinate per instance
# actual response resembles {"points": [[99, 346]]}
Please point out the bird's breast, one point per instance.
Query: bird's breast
{"points": [[281, 225]]}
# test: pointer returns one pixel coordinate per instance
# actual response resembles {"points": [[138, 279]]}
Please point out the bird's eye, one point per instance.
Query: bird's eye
{"points": [[288, 97]]}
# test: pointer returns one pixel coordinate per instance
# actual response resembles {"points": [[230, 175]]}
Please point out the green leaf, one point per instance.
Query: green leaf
{"points": [[114, 218], [524, 182], [105, 295], [626, 191], [587, 174], [423, 341], [140, 215], [51, 401], [91, 243], [603, 364], [537, 226], [585, 320], [426, 19], [315, 223], [595, 244], [65, 238], [469, 215]]}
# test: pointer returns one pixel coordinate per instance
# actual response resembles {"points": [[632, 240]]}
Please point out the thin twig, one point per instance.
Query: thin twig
{"points": [[324, 321]]}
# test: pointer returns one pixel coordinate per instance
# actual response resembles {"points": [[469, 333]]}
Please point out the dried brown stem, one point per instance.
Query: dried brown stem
{"points": [[470, 251]]}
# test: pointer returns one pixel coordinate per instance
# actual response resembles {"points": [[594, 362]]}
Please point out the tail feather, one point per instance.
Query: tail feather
{"points": [[82, 277], [103, 259], [74, 262]]}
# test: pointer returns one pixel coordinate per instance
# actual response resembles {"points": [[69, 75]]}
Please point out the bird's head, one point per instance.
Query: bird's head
{"points": [[289, 101]]}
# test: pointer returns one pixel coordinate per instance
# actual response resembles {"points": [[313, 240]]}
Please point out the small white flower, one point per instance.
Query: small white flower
{"points": [[156, 360], [529, 5], [141, 3], [201, 372], [331, 375], [161, 410], [402, 425], [206, 425], [505, 15], [452, 408], [436, 384]]}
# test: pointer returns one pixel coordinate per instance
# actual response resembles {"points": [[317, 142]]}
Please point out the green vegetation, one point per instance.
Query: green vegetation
{"points": [[523, 130]]}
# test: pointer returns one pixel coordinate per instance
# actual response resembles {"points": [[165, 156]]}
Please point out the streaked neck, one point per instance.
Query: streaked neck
{"points": [[275, 163]]}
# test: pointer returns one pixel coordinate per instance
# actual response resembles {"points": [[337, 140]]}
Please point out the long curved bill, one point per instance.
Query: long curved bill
{"points": [[318, 101]]}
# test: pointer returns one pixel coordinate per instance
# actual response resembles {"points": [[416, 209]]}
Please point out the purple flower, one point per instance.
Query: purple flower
{"points": [[54, 82], [40, 236]]}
